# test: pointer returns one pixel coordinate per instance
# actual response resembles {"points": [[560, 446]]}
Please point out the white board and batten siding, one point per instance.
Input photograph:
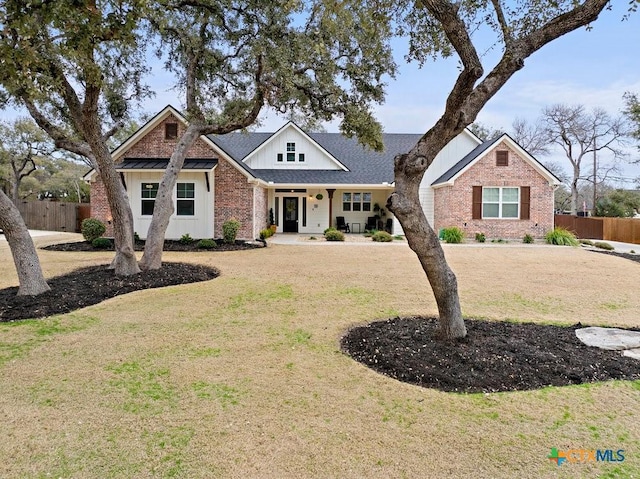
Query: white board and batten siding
{"points": [[455, 150], [315, 158], [200, 225]]}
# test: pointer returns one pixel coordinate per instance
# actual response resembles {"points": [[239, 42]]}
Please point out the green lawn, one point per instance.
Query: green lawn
{"points": [[242, 376]]}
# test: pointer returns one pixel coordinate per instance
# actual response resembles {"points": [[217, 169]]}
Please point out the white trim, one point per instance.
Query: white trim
{"points": [[280, 131], [535, 164], [501, 203], [149, 126]]}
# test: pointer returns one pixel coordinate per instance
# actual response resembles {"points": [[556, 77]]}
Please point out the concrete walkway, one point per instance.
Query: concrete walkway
{"points": [[37, 233]]}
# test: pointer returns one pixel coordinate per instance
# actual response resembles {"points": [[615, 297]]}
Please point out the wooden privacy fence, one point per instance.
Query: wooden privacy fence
{"points": [[53, 215], [626, 230]]}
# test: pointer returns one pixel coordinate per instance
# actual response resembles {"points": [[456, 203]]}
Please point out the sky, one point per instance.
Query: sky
{"points": [[592, 67]]}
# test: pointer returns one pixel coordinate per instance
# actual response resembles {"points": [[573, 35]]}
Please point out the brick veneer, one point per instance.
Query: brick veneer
{"points": [[453, 204], [234, 196]]}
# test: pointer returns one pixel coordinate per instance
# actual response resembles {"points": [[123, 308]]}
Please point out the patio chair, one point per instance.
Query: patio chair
{"points": [[371, 224], [341, 225]]}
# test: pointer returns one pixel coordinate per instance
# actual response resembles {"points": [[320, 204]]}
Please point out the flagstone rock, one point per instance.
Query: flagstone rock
{"points": [[609, 338]]}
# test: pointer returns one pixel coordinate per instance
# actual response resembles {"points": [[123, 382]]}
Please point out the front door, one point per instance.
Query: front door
{"points": [[290, 215]]}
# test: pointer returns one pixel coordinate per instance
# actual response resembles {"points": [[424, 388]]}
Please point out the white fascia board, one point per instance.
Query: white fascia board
{"points": [[146, 128], [291, 124]]}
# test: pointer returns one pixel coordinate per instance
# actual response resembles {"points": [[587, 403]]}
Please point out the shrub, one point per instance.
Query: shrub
{"points": [[498, 240], [632, 251], [266, 233], [136, 237], [92, 228], [561, 236], [587, 242], [452, 235], [101, 243], [369, 233], [334, 235], [207, 244], [399, 237], [186, 239], [312, 238], [230, 230], [382, 237], [603, 245], [330, 228], [527, 239], [480, 237]]}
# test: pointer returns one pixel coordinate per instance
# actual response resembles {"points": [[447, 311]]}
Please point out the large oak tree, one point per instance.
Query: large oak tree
{"points": [[439, 27], [232, 58], [77, 68]]}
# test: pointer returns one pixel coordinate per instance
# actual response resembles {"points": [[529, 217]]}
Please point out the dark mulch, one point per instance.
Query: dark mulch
{"points": [[495, 356], [632, 257], [91, 285], [169, 245]]}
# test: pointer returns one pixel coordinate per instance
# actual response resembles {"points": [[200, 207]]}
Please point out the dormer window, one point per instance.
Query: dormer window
{"points": [[291, 152], [170, 131]]}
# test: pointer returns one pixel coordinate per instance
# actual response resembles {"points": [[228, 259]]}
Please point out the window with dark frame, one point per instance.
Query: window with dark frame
{"points": [[148, 195], [356, 201], [280, 157], [170, 131], [502, 158], [301, 157]]}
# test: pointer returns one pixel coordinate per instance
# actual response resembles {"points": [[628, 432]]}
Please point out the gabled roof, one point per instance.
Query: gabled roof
{"points": [[449, 176], [363, 165]]}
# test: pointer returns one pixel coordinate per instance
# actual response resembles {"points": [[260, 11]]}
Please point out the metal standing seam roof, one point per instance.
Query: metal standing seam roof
{"points": [[162, 163], [365, 165]]}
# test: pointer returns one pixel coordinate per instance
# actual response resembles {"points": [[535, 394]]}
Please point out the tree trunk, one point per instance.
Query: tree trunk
{"points": [[405, 204], [25, 258], [574, 197], [163, 207], [125, 262]]}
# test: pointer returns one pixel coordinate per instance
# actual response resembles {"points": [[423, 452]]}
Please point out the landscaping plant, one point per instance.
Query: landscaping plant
{"points": [[480, 237], [101, 243], [230, 230], [382, 237], [92, 228], [452, 235], [332, 234], [561, 236], [527, 239], [207, 244]]}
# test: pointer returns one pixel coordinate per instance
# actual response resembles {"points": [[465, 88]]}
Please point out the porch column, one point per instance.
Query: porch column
{"points": [[330, 193]]}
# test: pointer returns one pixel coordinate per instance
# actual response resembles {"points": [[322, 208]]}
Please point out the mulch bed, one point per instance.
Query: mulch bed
{"points": [[495, 356], [632, 257], [92, 285], [169, 245]]}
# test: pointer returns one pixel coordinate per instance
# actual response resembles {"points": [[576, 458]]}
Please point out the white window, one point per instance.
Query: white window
{"points": [[185, 205], [148, 195], [356, 201], [500, 202]]}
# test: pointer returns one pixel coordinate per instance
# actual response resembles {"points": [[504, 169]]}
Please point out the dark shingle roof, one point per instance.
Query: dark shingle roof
{"points": [[365, 165], [161, 164]]}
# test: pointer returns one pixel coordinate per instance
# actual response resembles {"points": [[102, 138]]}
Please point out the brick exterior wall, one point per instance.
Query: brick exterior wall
{"points": [[453, 204], [233, 199], [234, 196], [100, 207], [261, 202]]}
